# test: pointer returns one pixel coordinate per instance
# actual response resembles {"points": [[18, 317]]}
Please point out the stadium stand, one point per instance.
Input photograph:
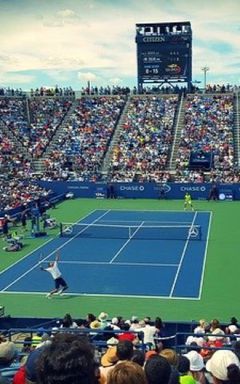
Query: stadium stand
{"points": [[21, 348], [208, 127], [83, 140], [144, 143], [118, 137]]}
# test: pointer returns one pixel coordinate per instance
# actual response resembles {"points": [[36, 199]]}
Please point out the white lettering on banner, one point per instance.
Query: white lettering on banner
{"points": [[193, 189], [131, 188], [167, 188], [77, 187]]}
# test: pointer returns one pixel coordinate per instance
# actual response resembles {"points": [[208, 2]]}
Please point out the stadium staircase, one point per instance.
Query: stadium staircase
{"points": [[38, 164], [115, 138], [236, 130], [178, 126]]}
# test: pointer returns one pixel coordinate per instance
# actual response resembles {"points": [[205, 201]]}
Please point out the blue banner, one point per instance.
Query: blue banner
{"points": [[199, 191]]}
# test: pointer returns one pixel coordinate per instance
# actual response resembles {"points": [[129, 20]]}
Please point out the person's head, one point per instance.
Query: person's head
{"points": [[138, 357], [8, 352], [67, 320], [90, 317], [183, 365], [170, 355], [224, 366], [50, 264], [125, 350], [126, 372], [158, 370], [69, 359], [203, 324], [109, 358], [125, 326], [158, 323], [196, 361], [214, 324], [31, 365], [234, 320]]}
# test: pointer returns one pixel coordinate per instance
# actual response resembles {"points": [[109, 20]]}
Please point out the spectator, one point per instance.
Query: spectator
{"points": [[224, 366], [158, 370], [197, 367], [108, 361], [69, 359], [184, 371], [171, 356], [127, 372], [138, 357], [125, 350], [68, 322], [149, 332]]}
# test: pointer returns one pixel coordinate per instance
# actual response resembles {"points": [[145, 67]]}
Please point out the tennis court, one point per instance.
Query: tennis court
{"points": [[122, 253]]}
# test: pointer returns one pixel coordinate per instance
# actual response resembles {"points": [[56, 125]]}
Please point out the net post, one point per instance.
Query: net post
{"points": [[61, 229]]}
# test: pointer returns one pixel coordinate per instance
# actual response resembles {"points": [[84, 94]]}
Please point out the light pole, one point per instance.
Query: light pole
{"points": [[205, 69]]}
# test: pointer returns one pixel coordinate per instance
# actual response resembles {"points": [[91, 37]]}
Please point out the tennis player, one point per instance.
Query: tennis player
{"points": [[188, 202], [60, 283]]}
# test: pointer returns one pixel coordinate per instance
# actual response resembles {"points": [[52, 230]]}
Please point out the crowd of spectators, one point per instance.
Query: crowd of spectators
{"points": [[103, 350], [145, 141], [15, 193], [9, 92], [221, 88], [108, 90], [56, 91], [46, 115], [208, 127], [84, 139], [13, 113], [33, 123]]}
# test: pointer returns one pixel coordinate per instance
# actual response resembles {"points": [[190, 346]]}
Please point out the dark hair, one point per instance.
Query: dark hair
{"points": [[233, 373], [158, 370], [67, 321], [125, 350], [91, 317], [138, 357], [68, 359], [234, 321], [183, 364], [125, 327], [158, 323]]}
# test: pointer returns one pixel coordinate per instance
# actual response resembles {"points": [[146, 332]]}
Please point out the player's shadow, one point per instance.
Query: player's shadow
{"points": [[66, 297]]}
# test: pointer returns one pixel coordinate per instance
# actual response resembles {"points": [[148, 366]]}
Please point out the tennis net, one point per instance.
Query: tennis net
{"points": [[145, 232]]}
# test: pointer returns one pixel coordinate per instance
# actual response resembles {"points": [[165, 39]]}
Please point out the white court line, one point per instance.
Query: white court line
{"points": [[205, 255], [181, 223], [50, 254], [40, 246], [125, 244], [103, 295], [119, 263], [151, 210], [182, 258]]}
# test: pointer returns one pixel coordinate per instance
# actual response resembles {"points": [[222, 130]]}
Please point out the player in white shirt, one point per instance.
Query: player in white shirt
{"points": [[60, 283]]}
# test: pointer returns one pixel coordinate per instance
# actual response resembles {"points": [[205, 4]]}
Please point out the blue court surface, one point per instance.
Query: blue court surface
{"points": [[121, 253]]}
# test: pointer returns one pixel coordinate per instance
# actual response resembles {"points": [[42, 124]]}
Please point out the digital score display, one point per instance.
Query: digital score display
{"points": [[167, 62], [164, 52]]}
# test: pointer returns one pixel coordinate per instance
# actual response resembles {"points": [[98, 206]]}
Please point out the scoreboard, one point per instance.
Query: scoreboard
{"points": [[164, 52]]}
